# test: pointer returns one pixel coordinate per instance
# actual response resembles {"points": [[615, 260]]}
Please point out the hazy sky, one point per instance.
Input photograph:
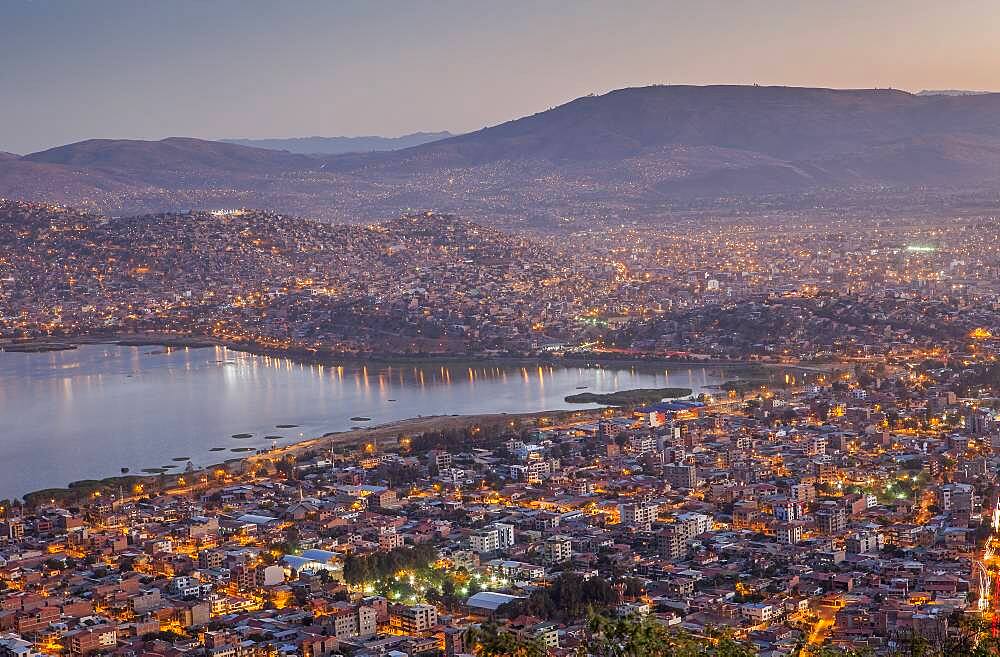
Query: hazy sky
{"points": [[72, 70]]}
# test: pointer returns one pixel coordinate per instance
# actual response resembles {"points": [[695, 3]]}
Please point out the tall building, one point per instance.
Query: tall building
{"points": [[558, 548], [638, 516], [831, 519], [864, 543], [491, 538], [788, 533], [413, 619], [672, 540], [680, 475]]}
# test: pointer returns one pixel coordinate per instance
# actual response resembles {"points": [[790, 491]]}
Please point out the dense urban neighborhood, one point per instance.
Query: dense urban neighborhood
{"points": [[432, 284], [839, 492], [857, 510]]}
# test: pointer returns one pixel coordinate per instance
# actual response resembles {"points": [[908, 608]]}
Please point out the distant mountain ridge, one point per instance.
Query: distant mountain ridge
{"points": [[786, 122], [951, 92], [175, 153], [635, 152], [341, 145]]}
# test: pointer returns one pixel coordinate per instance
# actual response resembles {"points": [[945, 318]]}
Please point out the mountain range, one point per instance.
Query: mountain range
{"points": [[637, 153], [341, 145]]}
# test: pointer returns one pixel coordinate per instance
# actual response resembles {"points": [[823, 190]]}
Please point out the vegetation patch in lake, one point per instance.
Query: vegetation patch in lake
{"points": [[182, 458], [360, 419], [274, 437], [242, 449], [285, 426], [154, 470], [628, 397], [217, 449], [242, 436]]}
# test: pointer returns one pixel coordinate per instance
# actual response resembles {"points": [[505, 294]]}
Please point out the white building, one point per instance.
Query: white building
{"points": [[497, 536]]}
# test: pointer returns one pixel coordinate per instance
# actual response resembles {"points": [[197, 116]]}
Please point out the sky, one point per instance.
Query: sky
{"points": [[145, 69]]}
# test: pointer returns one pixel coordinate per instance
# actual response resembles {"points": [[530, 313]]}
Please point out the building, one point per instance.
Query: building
{"points": [[638, 516], [787, 511], [497, 536], [487, 602], [439, 459], [90, 640], [831, 519], [642, 444], [802, 492], [956, 497], [558, 548], [483, 541], [412, 619], [680, 475], [864, 543], [788, 533], [367, 621], [390, 541], [760, 612], [344, 621], [12, 528], [817, 446], [11, 645], [672, 541]]}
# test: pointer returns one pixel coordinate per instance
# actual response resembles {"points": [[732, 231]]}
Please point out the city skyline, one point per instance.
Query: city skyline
{"points": [[228, 70]]}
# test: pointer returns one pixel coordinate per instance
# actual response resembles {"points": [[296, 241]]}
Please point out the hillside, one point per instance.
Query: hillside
{"points": [[640, 152], [173, 153], [405, 285], [784, 122]]}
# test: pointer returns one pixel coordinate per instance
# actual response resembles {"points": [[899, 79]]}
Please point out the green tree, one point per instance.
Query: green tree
{"points": [[646, 637], [488, 640]]}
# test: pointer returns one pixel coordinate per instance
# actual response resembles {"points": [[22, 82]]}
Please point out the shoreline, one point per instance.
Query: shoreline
{"points": [[739, 370], [84, 489], [308, 356]]}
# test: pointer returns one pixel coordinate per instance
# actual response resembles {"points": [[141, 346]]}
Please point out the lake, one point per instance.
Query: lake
{"points": [[87, 413]]}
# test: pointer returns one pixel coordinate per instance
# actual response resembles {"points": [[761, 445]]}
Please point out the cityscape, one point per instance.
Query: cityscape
{"points": [[685, 370]]}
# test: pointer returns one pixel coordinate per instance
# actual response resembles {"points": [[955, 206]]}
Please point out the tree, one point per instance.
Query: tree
{"points": [[360, 569], [489, 641], [448, 596], [569, 597], [646, 637]]}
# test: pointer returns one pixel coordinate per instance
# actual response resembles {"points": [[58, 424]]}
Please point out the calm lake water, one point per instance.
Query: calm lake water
{"points": [[87, 413]]}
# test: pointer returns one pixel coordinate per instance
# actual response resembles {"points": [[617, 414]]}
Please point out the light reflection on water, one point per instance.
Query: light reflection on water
{"points": [[71, 415]]}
